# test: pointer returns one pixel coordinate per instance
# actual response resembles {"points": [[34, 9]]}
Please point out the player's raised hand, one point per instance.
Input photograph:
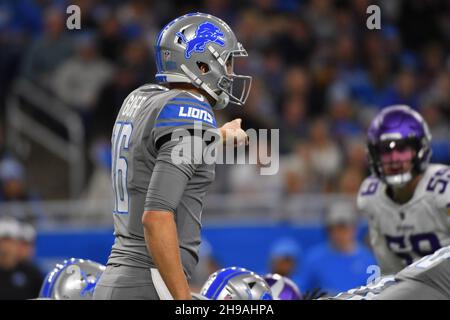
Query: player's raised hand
{"points": [[232, 131]]}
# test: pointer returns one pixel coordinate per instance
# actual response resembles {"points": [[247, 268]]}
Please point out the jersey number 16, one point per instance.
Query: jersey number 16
{"points": [[120, 144]]}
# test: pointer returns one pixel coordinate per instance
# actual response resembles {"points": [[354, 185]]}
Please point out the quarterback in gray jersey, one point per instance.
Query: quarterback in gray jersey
{"points": [[158, 198], [406, 200], [425, 279]]}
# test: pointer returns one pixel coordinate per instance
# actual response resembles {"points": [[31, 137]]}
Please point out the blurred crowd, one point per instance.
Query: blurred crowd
{"points": [[19, 277], [319, 75]]}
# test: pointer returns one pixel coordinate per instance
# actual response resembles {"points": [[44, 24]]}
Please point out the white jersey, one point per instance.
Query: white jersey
{"points": [[403, 233]]}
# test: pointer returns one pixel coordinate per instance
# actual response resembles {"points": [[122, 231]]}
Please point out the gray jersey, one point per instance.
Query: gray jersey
{"points": [[433, 270], [427, 278], [403, 233], [145, 177], [368, 292]]}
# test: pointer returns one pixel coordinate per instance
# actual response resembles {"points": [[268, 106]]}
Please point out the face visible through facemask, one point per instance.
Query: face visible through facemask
{"points": [[229, 65], [398, 160]]}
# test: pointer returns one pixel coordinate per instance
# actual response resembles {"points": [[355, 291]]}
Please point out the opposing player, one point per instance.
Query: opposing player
{"points": [[159, 185], [406, 200], [425, 279]]}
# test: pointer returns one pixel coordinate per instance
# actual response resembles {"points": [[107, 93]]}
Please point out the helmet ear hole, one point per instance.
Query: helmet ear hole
{"points": [[204, 68], [181, 37]]}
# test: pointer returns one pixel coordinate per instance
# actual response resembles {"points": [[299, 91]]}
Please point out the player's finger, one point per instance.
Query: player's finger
{"points": [[237, 121], [241, 137]]}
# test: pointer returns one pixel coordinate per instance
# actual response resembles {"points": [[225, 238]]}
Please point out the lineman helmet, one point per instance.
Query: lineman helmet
{"points": [[74, 279], [236, 284]]}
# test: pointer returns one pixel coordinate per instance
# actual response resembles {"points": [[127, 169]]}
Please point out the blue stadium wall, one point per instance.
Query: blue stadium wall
{"points": [[245, 245]]}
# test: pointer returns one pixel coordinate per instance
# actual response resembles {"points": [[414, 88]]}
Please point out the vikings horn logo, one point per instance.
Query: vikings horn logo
{"points": [[206, 32]]}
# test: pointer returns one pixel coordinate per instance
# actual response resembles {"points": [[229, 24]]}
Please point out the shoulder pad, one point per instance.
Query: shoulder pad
{"points": [[369, 188], [437, 181], [151, 88], [185, 108]]}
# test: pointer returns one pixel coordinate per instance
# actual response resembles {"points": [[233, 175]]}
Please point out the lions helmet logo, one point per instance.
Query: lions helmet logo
{"points": [[206, 32], [90, 283]]}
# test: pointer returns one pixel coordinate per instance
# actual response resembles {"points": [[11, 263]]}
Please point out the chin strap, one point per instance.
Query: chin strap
{"points": [[223, 101], [399, 180]]}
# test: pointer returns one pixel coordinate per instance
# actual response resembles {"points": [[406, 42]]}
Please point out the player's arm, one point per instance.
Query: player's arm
{"points": [[368, 292], [164, 193], [167, 186], [162, 241]]}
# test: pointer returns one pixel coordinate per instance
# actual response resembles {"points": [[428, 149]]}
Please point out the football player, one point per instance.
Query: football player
{"points": [[425, 279], [159, 185], [407, 199]]}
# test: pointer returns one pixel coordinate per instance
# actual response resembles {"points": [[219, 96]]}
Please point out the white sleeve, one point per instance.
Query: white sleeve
{"points": [[439, 184], [387, 260]]}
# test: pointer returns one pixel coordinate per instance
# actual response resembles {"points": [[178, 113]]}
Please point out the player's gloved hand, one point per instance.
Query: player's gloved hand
{"points": [[232, 132], [314, 294]]}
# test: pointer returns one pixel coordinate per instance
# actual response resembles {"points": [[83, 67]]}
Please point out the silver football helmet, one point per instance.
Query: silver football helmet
{"points": [[198, 296], [74, 279], [196, 41], [236, 284]]}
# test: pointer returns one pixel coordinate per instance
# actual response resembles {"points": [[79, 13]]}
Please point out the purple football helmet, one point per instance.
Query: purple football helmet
{"points": [[396, 128], [282, 288]]}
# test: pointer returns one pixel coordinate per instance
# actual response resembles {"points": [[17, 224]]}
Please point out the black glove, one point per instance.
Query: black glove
{"points": [[314, 294]]}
